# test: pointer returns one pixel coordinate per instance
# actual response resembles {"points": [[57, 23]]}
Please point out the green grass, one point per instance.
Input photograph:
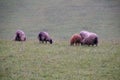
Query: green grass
{"points": [[32, 61]]}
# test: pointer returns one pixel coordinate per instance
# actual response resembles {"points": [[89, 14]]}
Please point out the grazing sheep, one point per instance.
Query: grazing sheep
{"points": [[75, 39], [92, 39], [20, 36], [44, 37], [84, 34]]}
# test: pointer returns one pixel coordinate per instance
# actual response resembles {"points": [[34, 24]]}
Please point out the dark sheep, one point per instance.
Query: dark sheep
{"points": [[44, 37], [75, 39], [92, 39], [20, 36]]}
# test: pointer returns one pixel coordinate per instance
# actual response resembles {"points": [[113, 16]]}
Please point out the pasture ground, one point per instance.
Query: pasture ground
{"points": [[32, 61]]}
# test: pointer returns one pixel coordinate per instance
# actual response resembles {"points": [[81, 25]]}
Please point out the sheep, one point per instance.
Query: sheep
{"points": [[75, 39], [20, 36], [84, 34], [92, 39], [44, 37]]}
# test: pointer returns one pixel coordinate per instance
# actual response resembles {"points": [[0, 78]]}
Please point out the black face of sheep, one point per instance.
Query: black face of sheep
{"points": [[50, 41], [17, 38], [40, 37], [20, 36], [96, 41]]}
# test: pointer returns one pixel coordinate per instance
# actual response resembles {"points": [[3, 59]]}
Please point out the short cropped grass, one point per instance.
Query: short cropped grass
{"points": [[59, 61]]}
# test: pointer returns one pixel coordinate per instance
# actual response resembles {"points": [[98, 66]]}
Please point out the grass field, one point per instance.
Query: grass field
{"points": [[60, 18], [32, 61]]}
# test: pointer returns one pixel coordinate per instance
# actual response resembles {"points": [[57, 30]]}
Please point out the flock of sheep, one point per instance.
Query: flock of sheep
{"points": [[83, 38]]}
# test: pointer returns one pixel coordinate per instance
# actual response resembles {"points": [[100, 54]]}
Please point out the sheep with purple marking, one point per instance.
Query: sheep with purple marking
{"points": [[20, 36], [84, 34], [89, 38], [44, 37]]}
